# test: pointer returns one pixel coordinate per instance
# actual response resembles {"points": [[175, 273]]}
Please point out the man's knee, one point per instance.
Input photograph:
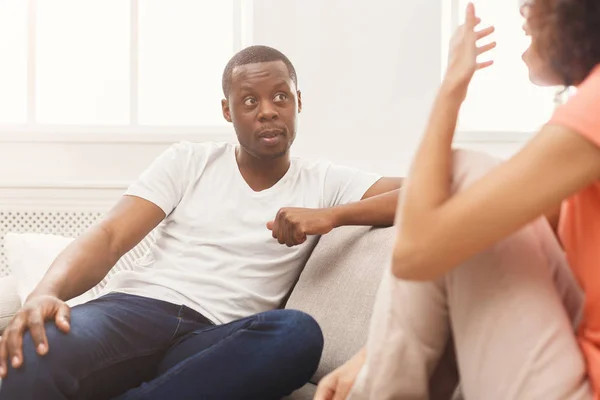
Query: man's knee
{"points": [[469, 166], [301, 334], [37, 374], [299, 323]]}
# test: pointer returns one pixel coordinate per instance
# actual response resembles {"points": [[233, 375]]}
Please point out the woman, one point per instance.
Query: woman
{"points": [[475, 261]]}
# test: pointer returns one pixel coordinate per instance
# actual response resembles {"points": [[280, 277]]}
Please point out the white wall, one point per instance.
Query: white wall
{"points": [[368, 70], [367, 83]]}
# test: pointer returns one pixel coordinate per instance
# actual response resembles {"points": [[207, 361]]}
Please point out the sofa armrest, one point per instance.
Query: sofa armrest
{"points": [[9, 300]]}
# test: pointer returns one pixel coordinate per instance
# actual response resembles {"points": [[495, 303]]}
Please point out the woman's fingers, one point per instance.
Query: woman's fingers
{"points": [[486, 48], [484, 32], [483, 65]]}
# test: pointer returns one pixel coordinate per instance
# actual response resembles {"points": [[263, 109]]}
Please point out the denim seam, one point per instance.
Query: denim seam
{"points": [[176, 369], [176, 329]]}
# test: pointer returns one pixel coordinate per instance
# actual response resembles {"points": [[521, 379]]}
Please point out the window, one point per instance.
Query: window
{"points": [[116, 65], [501, 99]]}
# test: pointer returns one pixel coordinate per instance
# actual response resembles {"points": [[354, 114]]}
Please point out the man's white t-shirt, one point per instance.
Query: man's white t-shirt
{"points": [[213, 251]]}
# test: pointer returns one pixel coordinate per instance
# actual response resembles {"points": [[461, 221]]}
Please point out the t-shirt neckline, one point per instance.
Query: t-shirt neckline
{"points": [[242, 181]]}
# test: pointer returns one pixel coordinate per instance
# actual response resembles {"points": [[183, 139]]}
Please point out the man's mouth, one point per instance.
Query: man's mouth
{"points": [[271, 137], [270, 134]]}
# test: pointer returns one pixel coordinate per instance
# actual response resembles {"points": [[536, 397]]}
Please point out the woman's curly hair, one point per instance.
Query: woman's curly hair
{"points": [[567, 36]]}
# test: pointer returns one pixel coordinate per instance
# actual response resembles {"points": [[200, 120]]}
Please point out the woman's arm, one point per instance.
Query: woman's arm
{"points": [[434, 238], [438, 230]]}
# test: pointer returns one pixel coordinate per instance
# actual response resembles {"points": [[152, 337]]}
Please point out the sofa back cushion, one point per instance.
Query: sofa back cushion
{"points": [[338, 287]]}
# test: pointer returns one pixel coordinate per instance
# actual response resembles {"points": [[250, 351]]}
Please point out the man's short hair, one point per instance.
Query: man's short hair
{"points": [[251, 55]]}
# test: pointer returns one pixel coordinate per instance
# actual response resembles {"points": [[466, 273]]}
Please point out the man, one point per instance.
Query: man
{"points": [[198, 316]]}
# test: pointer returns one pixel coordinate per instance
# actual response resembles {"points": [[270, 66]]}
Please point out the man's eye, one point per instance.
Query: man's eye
{"points": [[250, 101], [280, 97]]}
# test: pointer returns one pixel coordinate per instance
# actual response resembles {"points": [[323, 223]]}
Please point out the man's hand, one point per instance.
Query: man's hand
{"points": [[31, 317], [337, 385], [292, 225]]}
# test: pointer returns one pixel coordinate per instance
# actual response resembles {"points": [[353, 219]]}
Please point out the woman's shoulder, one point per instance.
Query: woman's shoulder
{"points": [[581, 112]]}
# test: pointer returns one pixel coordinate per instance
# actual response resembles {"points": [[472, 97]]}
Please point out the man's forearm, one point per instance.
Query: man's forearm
{"points": [[81, 266], [374, 211]]}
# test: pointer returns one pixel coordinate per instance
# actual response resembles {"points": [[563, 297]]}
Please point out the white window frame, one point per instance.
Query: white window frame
{"points": [[133, 132], [450, 21]]}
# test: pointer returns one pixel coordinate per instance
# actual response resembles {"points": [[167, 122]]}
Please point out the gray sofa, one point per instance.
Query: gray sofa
{"points": [[337, 287]]}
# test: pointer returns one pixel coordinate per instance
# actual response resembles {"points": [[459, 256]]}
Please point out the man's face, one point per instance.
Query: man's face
{"points": [[263, 105]]}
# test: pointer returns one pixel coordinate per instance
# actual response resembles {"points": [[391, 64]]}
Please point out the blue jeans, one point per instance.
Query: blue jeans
{"points": [[129, 347]]}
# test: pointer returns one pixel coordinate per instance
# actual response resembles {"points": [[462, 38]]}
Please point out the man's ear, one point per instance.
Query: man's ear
{"points": [[226, 110], [299, 101]]}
